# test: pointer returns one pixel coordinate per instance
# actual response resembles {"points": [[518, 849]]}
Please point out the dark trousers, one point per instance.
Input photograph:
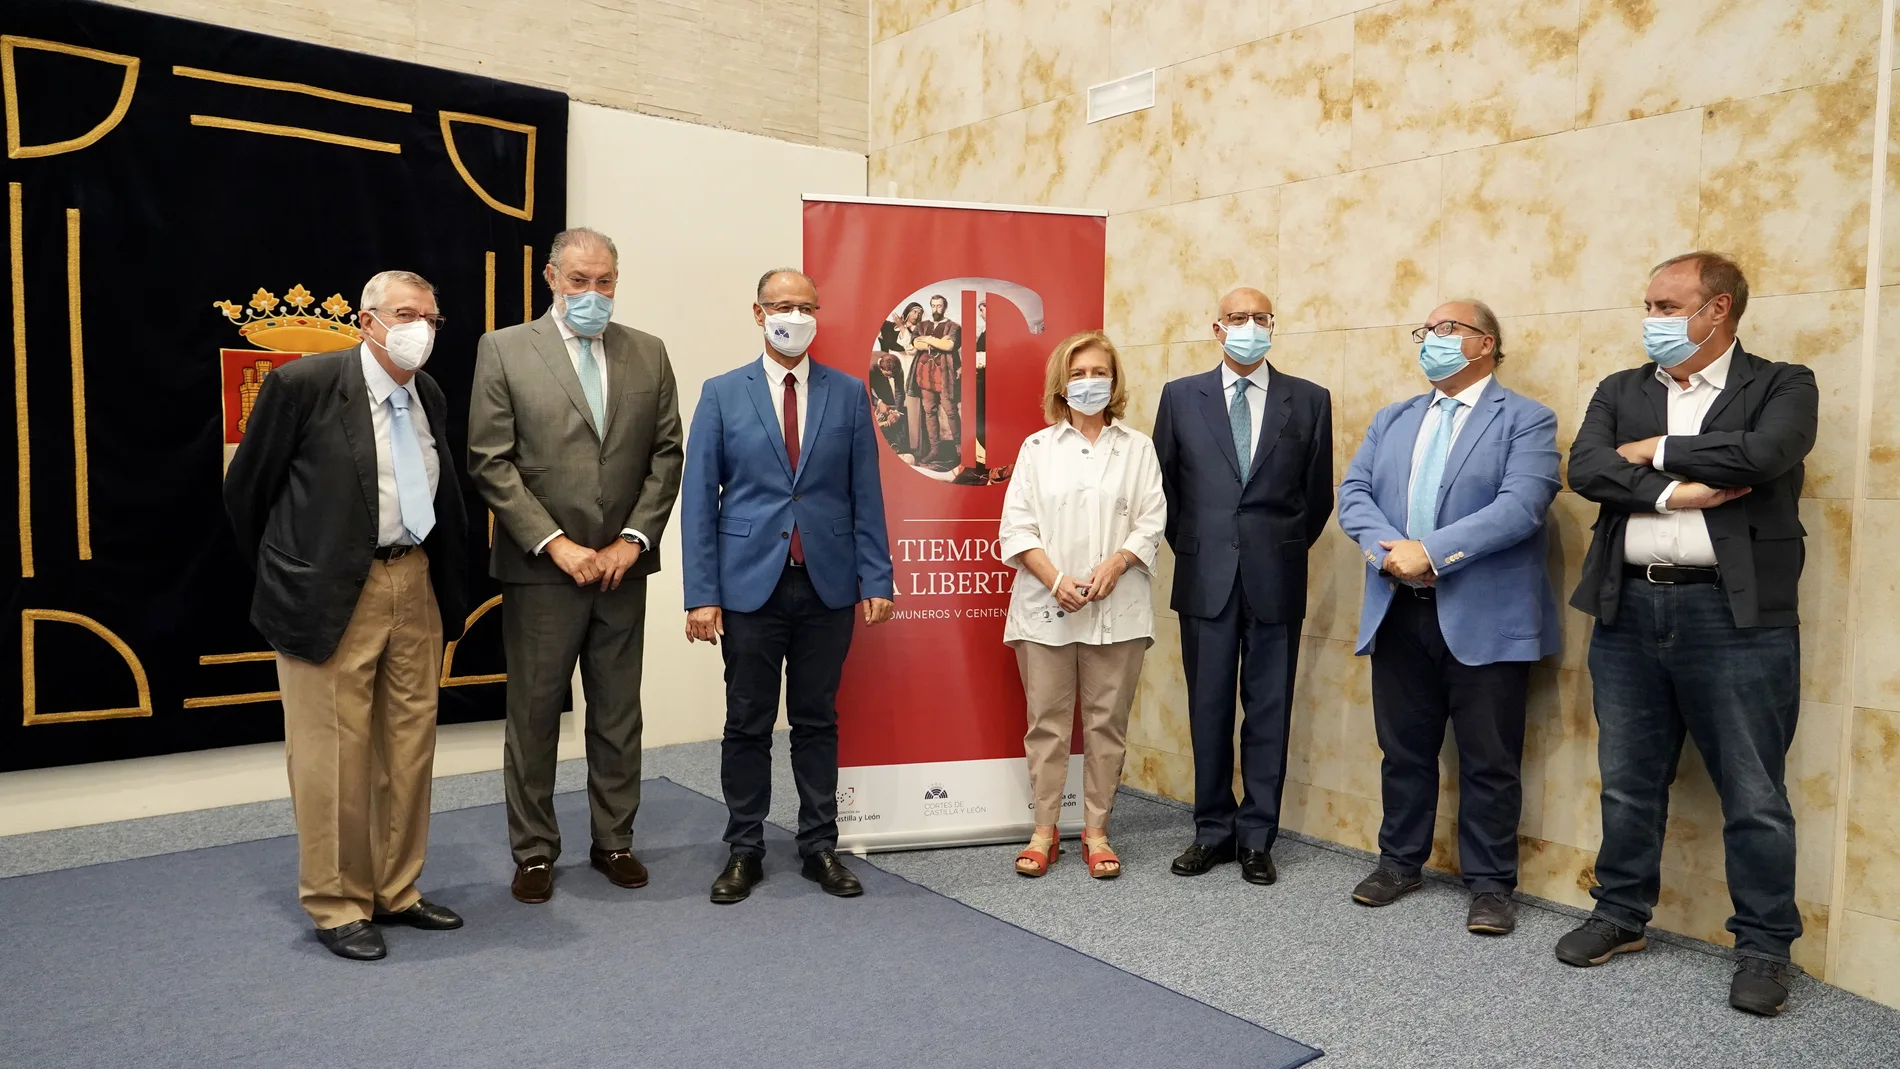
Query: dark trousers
{"points": [[796, 634], [1417, 685], [545, 629], [1237, 647], [1674, 663]]}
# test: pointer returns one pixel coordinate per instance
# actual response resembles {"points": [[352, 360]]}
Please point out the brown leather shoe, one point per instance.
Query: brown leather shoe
{"points": [[620, 866], [534, 881]]}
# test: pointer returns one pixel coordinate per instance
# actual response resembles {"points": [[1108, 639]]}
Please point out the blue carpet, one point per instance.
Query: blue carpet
{"points": [[202, 958]]}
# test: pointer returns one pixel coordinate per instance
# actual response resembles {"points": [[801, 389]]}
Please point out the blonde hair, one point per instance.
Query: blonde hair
{"points": [[1055, 382]]}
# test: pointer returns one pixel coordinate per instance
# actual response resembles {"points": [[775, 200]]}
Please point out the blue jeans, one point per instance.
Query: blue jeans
{"points": [[1675, 662]]}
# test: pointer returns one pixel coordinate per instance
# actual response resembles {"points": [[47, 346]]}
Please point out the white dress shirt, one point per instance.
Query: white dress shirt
{"points": [[1080, 502], [1678, 536], [1467, 399], [389, 528], [1256, 401], [775, 373], [572, 341]]}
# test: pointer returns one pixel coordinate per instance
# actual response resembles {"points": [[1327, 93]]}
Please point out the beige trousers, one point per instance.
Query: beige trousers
{"points": [[359, 734], [1054, 678]]}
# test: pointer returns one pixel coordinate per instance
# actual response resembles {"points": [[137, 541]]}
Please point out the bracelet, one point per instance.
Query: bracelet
{"points": [[1057, 585]]}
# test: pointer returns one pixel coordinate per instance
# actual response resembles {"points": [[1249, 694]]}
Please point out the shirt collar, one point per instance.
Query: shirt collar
{"points": [[379, 383], [1065, 427], [1716, 374], [775, 371], [1468, 396], [1258, 376]]}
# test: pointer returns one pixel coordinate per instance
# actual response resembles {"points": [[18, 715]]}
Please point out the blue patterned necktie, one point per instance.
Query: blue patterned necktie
{"points": [[590, 385], [1421, 516], [412, 478], [1241, 416]]}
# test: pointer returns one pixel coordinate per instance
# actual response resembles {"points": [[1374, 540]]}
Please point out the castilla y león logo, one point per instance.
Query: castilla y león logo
{"points": [[285, 328]]}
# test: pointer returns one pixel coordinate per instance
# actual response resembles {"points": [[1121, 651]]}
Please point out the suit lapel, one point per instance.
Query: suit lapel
{"points": [[1741, 372], [617, 358], [817, 389], [1490, 403], [1658, 397], [760, 391], [1214, 408], [1403, 434], [1273, 416], [547, 342], [361, 432]]}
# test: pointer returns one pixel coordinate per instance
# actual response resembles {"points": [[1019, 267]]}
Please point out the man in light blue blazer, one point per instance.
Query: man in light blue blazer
{"points": [[783, 519], [1446, 498]]}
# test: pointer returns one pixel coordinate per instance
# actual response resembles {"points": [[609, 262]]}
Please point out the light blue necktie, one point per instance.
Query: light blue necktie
{"points": [[412, 478], [1241, 417], [1421, 516], [590, 385]]}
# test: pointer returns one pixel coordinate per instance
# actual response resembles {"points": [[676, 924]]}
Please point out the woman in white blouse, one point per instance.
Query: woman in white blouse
{"points": [[1082, 522]]}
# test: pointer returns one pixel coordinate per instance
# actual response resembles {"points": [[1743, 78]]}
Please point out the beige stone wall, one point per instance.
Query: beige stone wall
{"points": [[1364, 162], [791, 69]]}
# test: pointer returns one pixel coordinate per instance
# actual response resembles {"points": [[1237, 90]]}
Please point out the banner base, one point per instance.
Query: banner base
{"points": [[934, 804]]}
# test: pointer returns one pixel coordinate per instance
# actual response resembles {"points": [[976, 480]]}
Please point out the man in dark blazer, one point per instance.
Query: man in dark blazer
{"points": [[783, 518], [344, 499], [1696, 460], [574, 442], [1247, 463]]}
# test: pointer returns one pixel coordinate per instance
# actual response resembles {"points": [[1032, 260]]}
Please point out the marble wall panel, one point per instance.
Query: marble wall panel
{"points": [[1883, 453], [1869, 947], [1293, 14], [1822, 331], [1890, 227], [1873, 816], [1823, 598], [1573, 221], [1877, 632], [1644, 57], [1150, 34], [1160, 717], [892, 17], [1555, 871], [1159, 772], [1273, 111], [1540, 362], [1145, 368], [1568, 524], [1431, 76], [1169, 266], [1039, 50], [1118, 164], [1333, 744], [1571, 812], [928, 80], [1361, 249]]}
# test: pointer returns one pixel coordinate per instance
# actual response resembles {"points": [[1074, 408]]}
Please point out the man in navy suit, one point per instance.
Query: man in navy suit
{"points": [[784, 534], [1247, 463], [1447, 498]]}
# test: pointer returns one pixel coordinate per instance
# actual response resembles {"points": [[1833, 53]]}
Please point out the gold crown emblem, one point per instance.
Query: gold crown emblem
{"points": [[289, 325]]}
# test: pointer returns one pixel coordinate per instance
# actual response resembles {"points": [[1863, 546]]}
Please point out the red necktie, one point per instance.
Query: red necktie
{"points": [[791, 452]]}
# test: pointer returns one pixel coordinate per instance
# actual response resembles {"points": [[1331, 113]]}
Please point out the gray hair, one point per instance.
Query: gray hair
{"points": [[377, 288], [759, 295], [1487, 321], [581, 237]]}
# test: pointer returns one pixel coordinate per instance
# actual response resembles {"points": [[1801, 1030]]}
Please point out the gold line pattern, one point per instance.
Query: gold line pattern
{"points": [[10, 85], [237, 658], [527, 284], [290, 87], [17, 241], [488, 292], [29, 687], [233, 699], [222, 123], [82, 481], [448, 652], [526, 211]]}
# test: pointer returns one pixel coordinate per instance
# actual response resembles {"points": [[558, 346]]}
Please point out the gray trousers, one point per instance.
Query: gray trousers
{"points": [[546, 629]]}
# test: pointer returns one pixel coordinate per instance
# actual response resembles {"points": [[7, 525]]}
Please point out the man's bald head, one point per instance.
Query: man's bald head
{"points": [[1246, 299]]}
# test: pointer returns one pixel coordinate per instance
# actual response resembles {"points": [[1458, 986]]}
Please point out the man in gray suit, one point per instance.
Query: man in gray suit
{"points": [[574, 441]]}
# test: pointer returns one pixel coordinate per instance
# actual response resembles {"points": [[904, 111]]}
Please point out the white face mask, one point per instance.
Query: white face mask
{"points": [[790, 333], [408, 344]]}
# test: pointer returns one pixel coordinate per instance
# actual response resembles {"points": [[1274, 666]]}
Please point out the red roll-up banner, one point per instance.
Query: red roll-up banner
{"points": [[949, 313]]}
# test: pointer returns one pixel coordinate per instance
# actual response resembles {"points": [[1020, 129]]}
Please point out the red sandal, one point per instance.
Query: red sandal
{"points": [[1039, 855], [1102, 862]]}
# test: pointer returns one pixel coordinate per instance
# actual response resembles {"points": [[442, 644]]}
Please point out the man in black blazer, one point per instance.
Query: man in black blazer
{"points": [[1247, 463], [344, 500], [1696, 460]]}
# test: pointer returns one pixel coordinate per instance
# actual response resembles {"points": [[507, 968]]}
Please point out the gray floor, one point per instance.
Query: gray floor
{"points": [[1398, 987]]}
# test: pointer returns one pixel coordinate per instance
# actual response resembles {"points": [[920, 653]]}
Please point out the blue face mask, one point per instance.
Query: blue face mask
{"points": [[1089, 396], [1441, 358], [1247, 343], [588, 313], [1667, 340]]}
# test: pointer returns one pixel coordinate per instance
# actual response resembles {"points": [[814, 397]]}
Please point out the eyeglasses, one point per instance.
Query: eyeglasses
{"points": [[1447, 329], [786, 307], [1263, 320], [404, 316], [579, 284]]}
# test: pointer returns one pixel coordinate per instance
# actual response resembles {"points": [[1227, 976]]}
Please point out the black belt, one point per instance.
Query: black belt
{"points": [[1422, 593], [1671, 574], [394, 553]]}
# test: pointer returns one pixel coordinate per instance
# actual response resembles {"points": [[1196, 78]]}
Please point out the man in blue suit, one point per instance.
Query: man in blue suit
{"points": [[784, 534], [1446, 498], [1247, 463]]}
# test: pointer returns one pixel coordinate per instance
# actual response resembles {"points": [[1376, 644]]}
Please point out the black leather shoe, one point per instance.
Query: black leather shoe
{"points": [[1201, 858], [1491, 913], [742, 873], [1385, 887], [357, 941], [1761, 986], [619, 866], [425, 915], [1256, 866], [824, 869], [1596, 941], [534, 881]]}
